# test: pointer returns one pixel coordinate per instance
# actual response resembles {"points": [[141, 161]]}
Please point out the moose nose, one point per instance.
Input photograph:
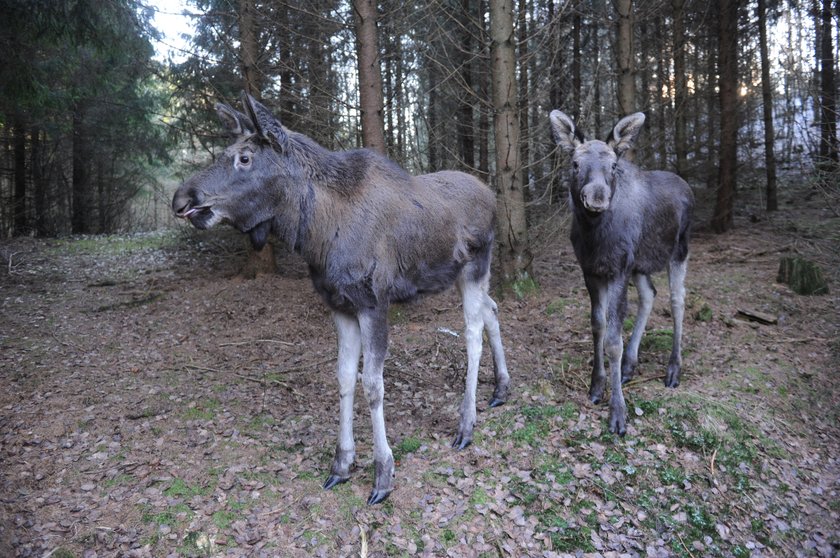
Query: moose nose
{"points": [[181, 202]]}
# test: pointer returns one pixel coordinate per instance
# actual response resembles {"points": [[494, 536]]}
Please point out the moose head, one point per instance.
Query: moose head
{"points": [[246, 182], [595, 164]]}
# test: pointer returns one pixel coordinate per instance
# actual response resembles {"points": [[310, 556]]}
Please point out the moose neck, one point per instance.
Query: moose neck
{"points": [[312, 186]]}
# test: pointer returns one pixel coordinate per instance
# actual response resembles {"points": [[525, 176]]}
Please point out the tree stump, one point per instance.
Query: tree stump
{"points": [[803, 276]]}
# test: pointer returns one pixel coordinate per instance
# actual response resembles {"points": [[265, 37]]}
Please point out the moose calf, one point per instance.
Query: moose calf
{"points": [[627, 224]]}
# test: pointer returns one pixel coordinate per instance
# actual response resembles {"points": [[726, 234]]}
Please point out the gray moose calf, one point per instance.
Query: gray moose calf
{"points": [[627, 224]]}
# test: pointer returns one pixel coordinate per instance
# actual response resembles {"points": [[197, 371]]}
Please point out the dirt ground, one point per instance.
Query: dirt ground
{"points": [[154, 403]]}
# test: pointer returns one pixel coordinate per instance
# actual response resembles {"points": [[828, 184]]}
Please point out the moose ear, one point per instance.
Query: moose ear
{"points": [[566, 135], [626, 132], [268, 127], [234, 121]]}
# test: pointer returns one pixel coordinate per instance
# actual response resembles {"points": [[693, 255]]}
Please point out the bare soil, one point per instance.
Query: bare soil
{"points": [[154, 403]]}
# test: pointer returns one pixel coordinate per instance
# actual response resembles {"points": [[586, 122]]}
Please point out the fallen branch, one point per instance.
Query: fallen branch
{"points": [[254, 341]]}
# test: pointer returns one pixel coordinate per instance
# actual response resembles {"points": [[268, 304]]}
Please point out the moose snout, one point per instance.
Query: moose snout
{"points": [[184, 202], [595, 198]]}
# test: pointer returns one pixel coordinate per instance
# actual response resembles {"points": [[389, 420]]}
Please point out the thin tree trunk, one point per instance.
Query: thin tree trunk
{"points": [[596, 58], [465, 127], [680, 88], [514, 250], [19, 224], [39, 184], [370, 76], [483, 111], [524, 94], [828, 91], [722, 220], [626, 58], [81, 178], [576, 55], [249, 48], [262, 260], [767, 102]]}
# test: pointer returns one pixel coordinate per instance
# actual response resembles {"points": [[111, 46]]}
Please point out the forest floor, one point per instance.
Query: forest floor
{"points": [[154, 403]]}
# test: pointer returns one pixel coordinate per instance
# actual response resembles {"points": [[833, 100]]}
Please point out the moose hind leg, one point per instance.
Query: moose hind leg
{"points": [[472, 296], [676, 280], [490, 313], [646, 291], [374, 330], [349, 351]]}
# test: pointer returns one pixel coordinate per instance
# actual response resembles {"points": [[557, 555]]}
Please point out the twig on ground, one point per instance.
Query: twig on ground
{"points": [[255, 341], [682, 542]]}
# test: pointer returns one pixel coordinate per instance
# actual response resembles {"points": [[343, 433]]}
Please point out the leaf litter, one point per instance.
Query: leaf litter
{"points": [[155, 404]]}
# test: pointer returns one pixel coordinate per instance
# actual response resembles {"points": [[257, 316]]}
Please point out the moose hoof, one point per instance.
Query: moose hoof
{"points": [[672, 378], [617, 426], [377, 496], [495, 402], [334, 480], [461, 441]]}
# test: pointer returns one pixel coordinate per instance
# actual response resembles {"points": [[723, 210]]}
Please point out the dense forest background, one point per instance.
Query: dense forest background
{"points": [[95, 127]]}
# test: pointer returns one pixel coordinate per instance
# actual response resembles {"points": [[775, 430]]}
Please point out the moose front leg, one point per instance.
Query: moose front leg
{"points": [[598, 316], [614, 347], [349, 351], [374, 333]]}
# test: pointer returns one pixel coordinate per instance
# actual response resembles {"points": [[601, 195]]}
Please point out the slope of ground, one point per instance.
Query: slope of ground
{"points": [[155, 404]]}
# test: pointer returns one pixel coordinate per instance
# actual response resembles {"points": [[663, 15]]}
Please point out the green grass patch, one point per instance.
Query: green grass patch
{"points": [[224, 518], [103, 245], [180, 489], [670, 475], [407, 445], [657, 340], [202, 410], [556, 306], [524, 286], [537, 424]]}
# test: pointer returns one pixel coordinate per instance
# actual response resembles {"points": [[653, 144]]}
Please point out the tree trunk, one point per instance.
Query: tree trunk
{"points": [[767, 102], [465, 128], [722, 219], [514, 252], [19, 224], [370, 76], [249, 48], [262, 260], [81, 173], [680, 88], [39, 185], [576, 54], [523, 94], [626, 58], [483, 111], [828, 92]]}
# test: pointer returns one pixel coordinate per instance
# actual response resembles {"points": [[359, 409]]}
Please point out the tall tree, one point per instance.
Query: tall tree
{"points": [[371, 102], [722, 220], [767, 109], [514, 251], [260, 260], [828, 89], [249, 48], [625, 51], [680, 86]]}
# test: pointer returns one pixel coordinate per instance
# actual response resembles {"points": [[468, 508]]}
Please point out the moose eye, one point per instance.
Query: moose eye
{"points": [[244, 159], [575, 165]]}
